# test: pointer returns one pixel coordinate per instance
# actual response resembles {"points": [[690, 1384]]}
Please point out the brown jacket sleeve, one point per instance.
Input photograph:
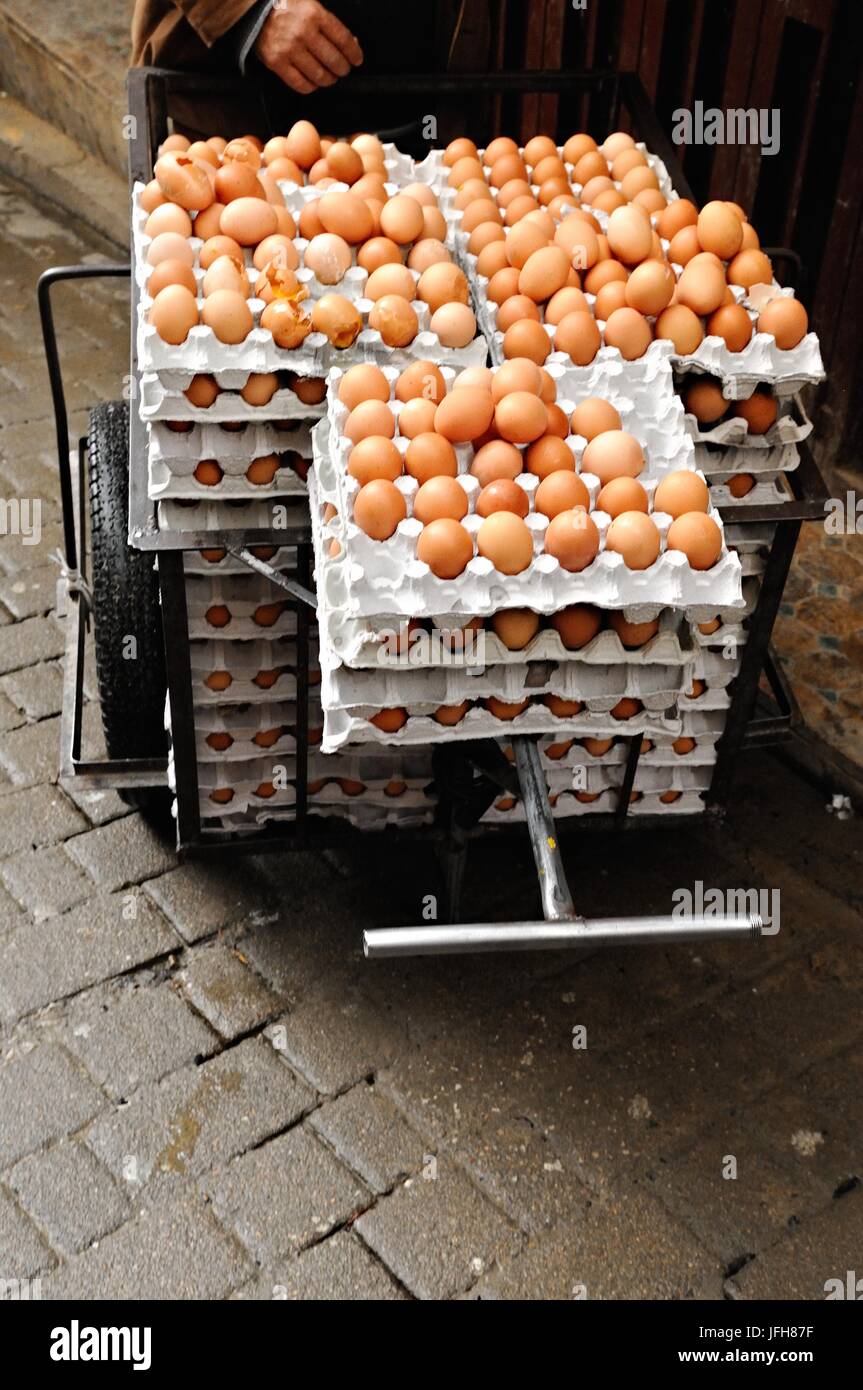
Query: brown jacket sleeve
{"points": [[180, 33], [211, 19]]}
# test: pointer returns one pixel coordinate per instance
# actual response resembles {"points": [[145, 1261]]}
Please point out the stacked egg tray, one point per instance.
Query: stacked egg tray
{"points": [[367, 598]]}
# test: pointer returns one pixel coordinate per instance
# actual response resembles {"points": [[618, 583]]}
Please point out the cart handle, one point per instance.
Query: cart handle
{"points": [[55, 377]]}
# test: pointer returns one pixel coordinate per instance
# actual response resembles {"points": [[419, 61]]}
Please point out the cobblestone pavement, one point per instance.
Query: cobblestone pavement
{"points": [[205, 1092]]}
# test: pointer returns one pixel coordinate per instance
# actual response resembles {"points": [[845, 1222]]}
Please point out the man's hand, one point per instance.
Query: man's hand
{"points": [[306, 46]]}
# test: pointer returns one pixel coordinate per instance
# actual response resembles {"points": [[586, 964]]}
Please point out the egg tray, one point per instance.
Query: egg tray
{"points": [[181, 451], [204, 512], [243, 591], [748, 537], [661, 755], [163, 484], [601, 687], [715, 697], [242, 626], [758, 462], [717, 668], [244, 781], [372, 577], [599, 778], [767, 491], [370, 818], [194, 562], [158, 401], [761, 363], [790, 427], [753, 564], [567, 804]]}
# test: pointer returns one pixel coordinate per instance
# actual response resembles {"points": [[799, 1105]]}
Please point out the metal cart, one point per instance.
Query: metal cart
{"points": [[468, 776]]}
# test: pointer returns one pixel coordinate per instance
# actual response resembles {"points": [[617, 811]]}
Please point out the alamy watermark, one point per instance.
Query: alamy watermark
{"points": [[699, 901], [737, 126], [21, 516]]}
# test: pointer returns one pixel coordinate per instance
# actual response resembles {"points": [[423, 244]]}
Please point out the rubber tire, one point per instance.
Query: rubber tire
{"points": [[125, 603]]}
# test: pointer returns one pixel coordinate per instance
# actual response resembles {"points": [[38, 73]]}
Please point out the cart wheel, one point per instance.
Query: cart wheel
{"points": [[130, 658]]}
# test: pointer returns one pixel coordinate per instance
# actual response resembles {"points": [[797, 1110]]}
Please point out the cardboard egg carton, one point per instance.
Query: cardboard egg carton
{"points": [[733, 459], [159, 401], [648, 778], [205, 513], [566, 804], [371, 818], [717, 668], [768, 490], [181, 451], [753, 564], [195, 562], [750, 537], [368, 577], [241, 625], [791, 426], [761, 363], [165, 484], [569, 754]]}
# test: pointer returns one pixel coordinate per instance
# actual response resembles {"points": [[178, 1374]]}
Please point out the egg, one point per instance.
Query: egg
{"points": [[594, 416], [402, 219], [347, 216], [527, 339], [626, 708], [184, 182], [378, 509], [650, 287], [171, 273], [446, 547], [303, 144], [576, 625], [520, 417], [629, 332], [168, 217], [440, 496], [759, 412], [505, 710], [337, 318], [741, 484], [786, 320], [698, 537], [390, 279], [496, 459], [465, 414], [451, 714], [502, 495], [610, 298], [369, 417], [605, 273], [395, 319], [622, 495], [363, 382], [750, 267], [684, 246], [518, 374], [680, 326], [573, 540], [262, 471], [288, 322], [152, 197], [578, 240], [548, 454], [503, 285], [558, 424], [227, 313], [248, 221], [454, 325], [208, 473], [731, 323], [635, 537], [443, 283], [629, 234], [421, 378], [515, 627], [720, 230], [430, 456], [560, 491], [568, 300], [633, 634], [329, 257], [702, 286], [613, 454], [522, 241], [416, 417], [704, 400], [577, 335], [226, 273], [375, 456], [378, 251], [544, 273], [170, 246], [681, 491], [201, 391], [679, 213], [276, 250], [428, 252], [260, 388], [173, 313]]}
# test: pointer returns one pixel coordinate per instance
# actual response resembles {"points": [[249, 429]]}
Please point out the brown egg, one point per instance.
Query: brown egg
{"points": [[578, 335], [720, 230], [635, 537], [503, 285], [451, 714], [594, 416], [431, 456], [569, 300], [626, 708], [262, 471], [681, 491], [446, 547], [698, 688], [629, 332], [514, 309], [184, 182], [759, 411], [152, 197], [733, 324], [605, 273], [428, 252], [698, 536], [168, 217], [505, 540], [390, 279], [518, 374], [464, 414], [702, 285], [613, 454], [171, 273], [375, 456], [173, 313], [562, 709], [170, 246], [421, 378], [560, 491], [378, 251], [650, 287], [573, 540], [201, 391], [577, 625], [389, 721], [680, 326], [629, 235], [622, 495], [337, 318], [206, 224], [227, 313], [276, 250], [527, 339], [704, 400], [260, 388], [633, 634], [402, 219], [495, 460], [416, 417], [558, 424], [540, 147], [684, 745], [678, 214], [750, 267], [515, 627], [225, 273], [610, 298], [443, 284], [329, 257], [520, 417], [502, 495], [549, 454], [395, 319], [785, 320], [544, 273], [505, 710], [248, 221], [344, 162], [522, 242], [346, 215], [439, 497], [378, 509], [578, 239], [741, 484], [370, 417], [363, 383], [208, 473], [454, 325], [684, 246]]}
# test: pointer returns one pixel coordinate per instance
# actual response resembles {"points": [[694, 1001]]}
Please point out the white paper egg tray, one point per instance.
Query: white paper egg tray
{"points": [[717, 668], [256, 513], [164, 484], [159, 401], [242, 626], [790, 427], [733, 459], [369, 577], [598, 686], [194, 562], [768, 490], [761, 363], [567, 804], [181, 451], [660, 755], [648, 778], [369, 818], [749, 537]]}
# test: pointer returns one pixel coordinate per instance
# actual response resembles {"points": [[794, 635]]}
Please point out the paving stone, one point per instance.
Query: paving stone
{"points": [[799, 1266], [199, 1117], [201, 898], [533, 1181], [36, 690], [38, 816], [45, 881], [11, 717], [31, 754], [23, 644], [138, 1034], [107, 935], [221, 986], [285, 1194], [98, 806], [437, 1235], [43, 1094], [367, 1131], [12, 915], [339, 1268], [23, 1252], [17, 558], [121, 852], [70, 1194], [734, 1216], [175, 1250], [622, 1247], [337, 1039], [30, 592]]}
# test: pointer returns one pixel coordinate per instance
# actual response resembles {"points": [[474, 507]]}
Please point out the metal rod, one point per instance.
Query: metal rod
{"points": [[553, 936], [282, 581], [557, 904]]}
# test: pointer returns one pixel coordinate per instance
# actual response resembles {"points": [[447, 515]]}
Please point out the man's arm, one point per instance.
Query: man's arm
{"points": [[305, 45]]}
